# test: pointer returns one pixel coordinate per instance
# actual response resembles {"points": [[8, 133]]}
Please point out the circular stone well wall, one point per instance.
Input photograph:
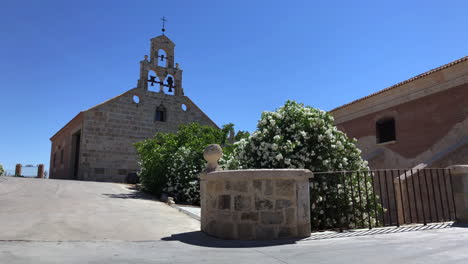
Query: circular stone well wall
{"points": [[259, 204]]}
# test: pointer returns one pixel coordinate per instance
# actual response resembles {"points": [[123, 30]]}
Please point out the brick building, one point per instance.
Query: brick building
{"points": [[97, 144], [422, 121]]}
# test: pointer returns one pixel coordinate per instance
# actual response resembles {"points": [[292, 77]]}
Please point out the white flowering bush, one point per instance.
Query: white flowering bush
{"points": [[298, 136], [183, 175]]}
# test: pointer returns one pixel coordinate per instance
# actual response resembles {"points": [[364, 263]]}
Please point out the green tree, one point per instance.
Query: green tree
{"points": [[2, 170]]}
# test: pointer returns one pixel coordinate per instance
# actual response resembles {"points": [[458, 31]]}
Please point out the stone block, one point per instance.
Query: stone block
{"points": [[263, 204], [265, 233], [211, 203], [211, 227], [245, 231], [249, 216], [285, 232], [210, 187], [238, 186], [223, 215], [304, 230], [242, 203], [271, 218], [285, 187], [268, 188], [225, 230], [303, 202], [235, 217], [224, 202], [257, 185], [290, 216], [282, 203]]}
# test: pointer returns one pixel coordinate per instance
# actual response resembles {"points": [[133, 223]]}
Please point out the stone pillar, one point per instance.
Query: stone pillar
{"points": [[257, 204], [18, 170], [40, 171], [460, 192]]}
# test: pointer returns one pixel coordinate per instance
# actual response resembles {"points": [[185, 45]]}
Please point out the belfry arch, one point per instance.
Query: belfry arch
{"points": [[161, 62]]}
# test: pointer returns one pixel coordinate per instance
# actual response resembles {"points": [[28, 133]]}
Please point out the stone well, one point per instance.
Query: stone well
{"points": [[258, 204]]}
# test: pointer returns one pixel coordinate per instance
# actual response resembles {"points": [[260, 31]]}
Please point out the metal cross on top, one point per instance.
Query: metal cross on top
{"points": [[164, 24]]}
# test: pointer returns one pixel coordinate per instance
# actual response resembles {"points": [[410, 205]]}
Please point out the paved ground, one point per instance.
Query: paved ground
{"points": [[59, 210], [161, 234]]}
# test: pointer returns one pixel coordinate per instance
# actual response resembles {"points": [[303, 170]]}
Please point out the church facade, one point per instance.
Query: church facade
{"points": [[420, 122], [97, 144]]}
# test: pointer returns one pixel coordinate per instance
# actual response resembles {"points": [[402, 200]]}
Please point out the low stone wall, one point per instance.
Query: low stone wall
{"points": [[256, 204]]}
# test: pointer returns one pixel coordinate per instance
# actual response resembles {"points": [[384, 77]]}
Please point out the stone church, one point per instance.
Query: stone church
{"points": [[420, 122], [97, 144]]}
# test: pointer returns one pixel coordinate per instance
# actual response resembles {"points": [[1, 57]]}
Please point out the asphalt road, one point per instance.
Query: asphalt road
{"points": [[47, 221]]}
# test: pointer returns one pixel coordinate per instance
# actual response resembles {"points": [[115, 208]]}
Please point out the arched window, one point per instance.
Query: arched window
{"points": [[160, 114], [162, 58], [170, 84], [385, 130], [153, 82]]}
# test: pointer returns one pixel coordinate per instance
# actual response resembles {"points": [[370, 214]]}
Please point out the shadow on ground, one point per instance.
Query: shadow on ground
{"points": [[200, 239], [134, 193], [197, 238], [379, 231]]}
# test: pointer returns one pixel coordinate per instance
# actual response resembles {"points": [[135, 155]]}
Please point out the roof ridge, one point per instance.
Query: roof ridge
{"points": [[450, 64]]}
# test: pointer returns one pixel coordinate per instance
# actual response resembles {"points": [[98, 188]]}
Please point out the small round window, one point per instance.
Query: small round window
{"points": [[184, 107], [136, 99]]}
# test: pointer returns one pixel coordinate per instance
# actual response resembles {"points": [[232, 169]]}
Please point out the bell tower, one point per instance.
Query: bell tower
{"points": [[161, 62]]}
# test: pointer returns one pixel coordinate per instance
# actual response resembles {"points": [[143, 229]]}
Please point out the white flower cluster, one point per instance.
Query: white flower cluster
{"points": [[296, 136], [182, 180]]}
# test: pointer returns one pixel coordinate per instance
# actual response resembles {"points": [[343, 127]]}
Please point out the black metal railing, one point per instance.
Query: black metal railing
{"points": [[375, 198]]}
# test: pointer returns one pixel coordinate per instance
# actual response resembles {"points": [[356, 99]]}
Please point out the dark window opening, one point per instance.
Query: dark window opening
{"points": [[160, 114], [385, 130], [61, 156], [55, 158], [76, 138], [99, 171]]}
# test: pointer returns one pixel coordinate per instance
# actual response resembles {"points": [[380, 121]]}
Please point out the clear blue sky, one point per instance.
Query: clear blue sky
{"points": [[239, 57]]}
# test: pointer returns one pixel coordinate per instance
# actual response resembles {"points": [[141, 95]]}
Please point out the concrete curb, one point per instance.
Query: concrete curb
{"points": [[194, 216]]}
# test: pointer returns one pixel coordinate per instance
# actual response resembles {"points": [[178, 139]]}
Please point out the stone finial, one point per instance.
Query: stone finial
{"points": [[212, 154], [146, 57], [170, 200]]}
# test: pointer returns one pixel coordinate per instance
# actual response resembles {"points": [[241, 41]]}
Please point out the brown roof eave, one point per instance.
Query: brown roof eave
{"points": [[404, 82], [69, 122]]}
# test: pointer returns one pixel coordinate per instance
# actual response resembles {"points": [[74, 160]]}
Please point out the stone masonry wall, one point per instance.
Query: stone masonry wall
{"points": [[111, 128], [256, 204]]}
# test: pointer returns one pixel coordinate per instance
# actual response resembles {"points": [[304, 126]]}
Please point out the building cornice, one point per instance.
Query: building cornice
{"points": [[437, 80]]}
